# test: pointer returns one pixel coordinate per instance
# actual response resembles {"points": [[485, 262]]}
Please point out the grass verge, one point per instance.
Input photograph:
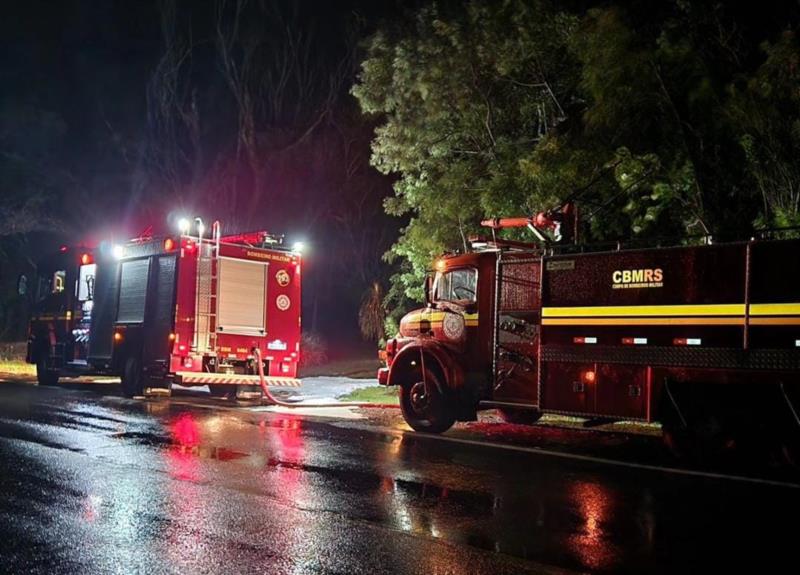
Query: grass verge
{"points": [[375, 394], [16, 367]]}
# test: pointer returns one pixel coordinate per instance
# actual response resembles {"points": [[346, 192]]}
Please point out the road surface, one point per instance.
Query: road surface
{"points": [[94, 483]]}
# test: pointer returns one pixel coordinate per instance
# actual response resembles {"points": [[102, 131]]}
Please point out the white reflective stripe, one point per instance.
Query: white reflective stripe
{"points": [[640, 341]]}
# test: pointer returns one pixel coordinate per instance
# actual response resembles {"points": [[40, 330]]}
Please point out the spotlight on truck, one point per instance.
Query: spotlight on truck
{"points": [[118, 251]]}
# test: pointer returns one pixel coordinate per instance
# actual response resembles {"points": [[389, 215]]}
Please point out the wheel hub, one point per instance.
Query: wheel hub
{"points": [[419, 399]]}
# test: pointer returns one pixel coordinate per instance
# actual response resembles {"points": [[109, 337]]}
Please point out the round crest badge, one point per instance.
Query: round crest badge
{"points": [[453, 325], [282, 277], [283, 302]]}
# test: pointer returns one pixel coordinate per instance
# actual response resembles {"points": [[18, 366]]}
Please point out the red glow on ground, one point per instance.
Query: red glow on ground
{"points": [[185, 431]]}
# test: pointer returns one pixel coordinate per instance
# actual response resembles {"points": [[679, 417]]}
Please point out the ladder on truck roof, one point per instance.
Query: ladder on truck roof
{"points": [[205, 325]]}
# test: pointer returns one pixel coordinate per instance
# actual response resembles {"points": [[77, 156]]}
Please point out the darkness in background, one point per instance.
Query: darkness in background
{"points": [[116, 116]]}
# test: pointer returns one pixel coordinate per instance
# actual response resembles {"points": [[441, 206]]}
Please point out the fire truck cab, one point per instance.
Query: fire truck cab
{"points": [[181, 309], [704, 339]]}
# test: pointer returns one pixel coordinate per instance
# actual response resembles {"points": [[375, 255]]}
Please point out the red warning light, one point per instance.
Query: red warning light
{"points": [[169, 245], [589, 376], [86, 259]]}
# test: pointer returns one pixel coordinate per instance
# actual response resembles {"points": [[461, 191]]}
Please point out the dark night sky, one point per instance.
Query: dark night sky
{"points": [[74, 105]]}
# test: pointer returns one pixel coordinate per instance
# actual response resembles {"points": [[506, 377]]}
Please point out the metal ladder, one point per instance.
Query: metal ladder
{"points": [[206, 308]]}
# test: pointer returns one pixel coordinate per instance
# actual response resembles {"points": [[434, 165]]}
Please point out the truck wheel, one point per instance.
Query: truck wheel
{"points": [[132, 377], [520, 416], [426, 412], [44, 375]]}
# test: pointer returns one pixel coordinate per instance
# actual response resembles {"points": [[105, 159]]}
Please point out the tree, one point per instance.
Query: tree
{"points": [[464, 104], [661, 119], [766, 107]]}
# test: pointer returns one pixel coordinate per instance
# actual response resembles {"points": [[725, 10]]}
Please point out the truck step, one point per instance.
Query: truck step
{"points": [[202, 378]]}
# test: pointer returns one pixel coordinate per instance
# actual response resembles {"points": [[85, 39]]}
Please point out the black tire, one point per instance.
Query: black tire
{"points": [[132, 377], [44, 375], [519, 416], [675, 430], [222, 391], [426, 412], [699, 433]]}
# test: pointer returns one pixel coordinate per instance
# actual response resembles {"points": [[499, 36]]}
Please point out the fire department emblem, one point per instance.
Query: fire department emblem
{"points": [[453, 325], [282, 277], [283, 302]]}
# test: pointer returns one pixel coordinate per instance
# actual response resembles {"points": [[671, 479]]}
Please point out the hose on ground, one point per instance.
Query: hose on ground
{"points": [[272, 400]]}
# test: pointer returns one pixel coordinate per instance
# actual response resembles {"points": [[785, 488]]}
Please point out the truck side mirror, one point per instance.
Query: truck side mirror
{"points": [[22, 284]]}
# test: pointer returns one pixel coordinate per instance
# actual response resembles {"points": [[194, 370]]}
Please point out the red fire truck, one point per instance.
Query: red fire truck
{"points": [[704, 339], [182, 309]]}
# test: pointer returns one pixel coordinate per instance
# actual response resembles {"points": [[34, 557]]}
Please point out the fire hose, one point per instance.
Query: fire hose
{"points": [[272, 400]]}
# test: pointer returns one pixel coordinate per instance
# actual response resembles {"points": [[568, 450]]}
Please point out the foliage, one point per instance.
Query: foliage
{"points": [[464, 103], [314, 350], [662, 118], [766, 106], [371, 313]]}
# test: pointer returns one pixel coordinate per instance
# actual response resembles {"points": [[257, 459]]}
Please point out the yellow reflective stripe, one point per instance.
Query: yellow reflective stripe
{"points": [[645, 310], [775, 309], [697, 320]]}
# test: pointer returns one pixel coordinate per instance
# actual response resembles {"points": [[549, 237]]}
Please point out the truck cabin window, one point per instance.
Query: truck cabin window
{"points": [[51, 284], [85, 287], [458, 286]]}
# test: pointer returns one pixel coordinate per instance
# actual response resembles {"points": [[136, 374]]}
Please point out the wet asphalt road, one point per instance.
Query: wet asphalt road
{"points": [[94, 483]]}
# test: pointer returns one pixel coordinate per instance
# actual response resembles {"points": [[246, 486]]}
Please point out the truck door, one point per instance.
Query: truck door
{"points": [[516, 330], [159, 321]]}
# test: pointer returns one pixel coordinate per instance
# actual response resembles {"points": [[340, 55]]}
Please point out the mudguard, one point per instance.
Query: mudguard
{"points": [[433, 350]]}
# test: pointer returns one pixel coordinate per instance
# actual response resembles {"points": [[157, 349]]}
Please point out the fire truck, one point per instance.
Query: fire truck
{"points": [[704, 339], [180, 309]]}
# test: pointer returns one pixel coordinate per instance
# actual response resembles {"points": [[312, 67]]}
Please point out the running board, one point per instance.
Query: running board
{"points": [[203, 378]]}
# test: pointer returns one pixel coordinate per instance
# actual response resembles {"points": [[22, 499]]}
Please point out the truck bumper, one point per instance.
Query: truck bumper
{"points": [[383, 376], [205, 378]]}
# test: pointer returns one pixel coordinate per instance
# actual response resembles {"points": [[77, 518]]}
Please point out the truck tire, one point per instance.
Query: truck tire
{"points": [[45, 375], [428, 413], [519, 416], [132, 377]]}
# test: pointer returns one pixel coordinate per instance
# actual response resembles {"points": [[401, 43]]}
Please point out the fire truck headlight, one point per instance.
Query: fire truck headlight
{"points": [[184, 225], [118, 251]]}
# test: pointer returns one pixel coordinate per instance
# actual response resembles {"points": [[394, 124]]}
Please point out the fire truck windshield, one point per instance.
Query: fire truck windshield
{"points": [[458, 285]]}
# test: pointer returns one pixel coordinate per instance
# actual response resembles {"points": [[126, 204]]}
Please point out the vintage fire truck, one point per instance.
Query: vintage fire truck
{"points": [[704, 339], [183, 309]]}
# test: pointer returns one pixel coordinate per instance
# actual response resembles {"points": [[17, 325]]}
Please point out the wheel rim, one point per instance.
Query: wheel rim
{"points": [[419, 400]]}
